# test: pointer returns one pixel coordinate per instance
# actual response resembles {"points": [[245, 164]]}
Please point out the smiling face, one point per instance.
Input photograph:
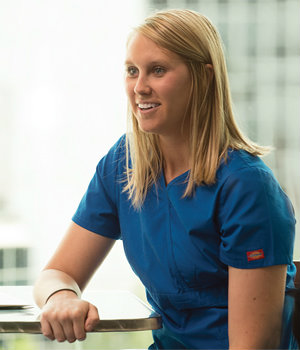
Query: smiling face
{"points": [[157, 85]]}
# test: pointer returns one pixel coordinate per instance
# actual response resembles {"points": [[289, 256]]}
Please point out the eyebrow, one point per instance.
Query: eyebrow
{"points": [[152, 63]]}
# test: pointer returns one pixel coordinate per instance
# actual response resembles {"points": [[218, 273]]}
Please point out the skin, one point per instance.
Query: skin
{"points": [[157, 75], [255, 303], [65, 316], [255, 296]]}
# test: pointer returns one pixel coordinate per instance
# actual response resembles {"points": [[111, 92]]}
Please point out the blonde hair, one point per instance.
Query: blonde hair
{"points": [[213, 128]]}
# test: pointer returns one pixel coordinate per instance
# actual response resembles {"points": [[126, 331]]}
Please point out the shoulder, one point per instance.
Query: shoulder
{"points": [[246, 179], [118, 149], [115, 159], [238, 160], [241, 165]]}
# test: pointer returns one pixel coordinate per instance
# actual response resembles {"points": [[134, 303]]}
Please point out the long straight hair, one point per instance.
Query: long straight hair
{"points": [[212, 127]]}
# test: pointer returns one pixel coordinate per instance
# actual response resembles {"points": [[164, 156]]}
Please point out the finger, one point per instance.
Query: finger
{"points": [[58, 332], [79, 330], [47, 330], [67, 327], [92, 318], [78, 326]]}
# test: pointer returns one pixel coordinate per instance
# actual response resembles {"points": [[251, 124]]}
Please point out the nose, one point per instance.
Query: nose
{"points": [[142, 86]]}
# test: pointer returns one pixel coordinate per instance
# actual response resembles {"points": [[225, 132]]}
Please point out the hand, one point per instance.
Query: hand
{"points": [[66, 317]]}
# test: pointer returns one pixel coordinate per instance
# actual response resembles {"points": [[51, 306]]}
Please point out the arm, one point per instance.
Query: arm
{"points": [[255, 304], [64, 315]]}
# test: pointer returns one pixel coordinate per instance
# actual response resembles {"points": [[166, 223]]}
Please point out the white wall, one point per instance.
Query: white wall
{"points": [[62, 105]]}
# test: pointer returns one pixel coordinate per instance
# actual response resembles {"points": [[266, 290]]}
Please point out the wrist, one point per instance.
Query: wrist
{"points": [[62, 293], [51, 281]]}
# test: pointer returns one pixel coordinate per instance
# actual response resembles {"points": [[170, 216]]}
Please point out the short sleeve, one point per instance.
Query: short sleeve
{"points": [[97, 211], [256, 220]]}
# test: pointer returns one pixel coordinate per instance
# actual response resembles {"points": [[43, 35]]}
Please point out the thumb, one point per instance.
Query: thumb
{"points": [[92, 318]]}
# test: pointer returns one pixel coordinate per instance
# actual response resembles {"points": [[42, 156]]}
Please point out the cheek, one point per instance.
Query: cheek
{"points": [[129, 89], [183, 91], [178, 96], [175, 88]]}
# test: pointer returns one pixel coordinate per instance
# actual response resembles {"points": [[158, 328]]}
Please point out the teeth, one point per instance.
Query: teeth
{"points": [[147, 105]]}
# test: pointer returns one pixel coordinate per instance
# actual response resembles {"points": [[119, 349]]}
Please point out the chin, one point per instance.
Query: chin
{"points": [[147, 129]]}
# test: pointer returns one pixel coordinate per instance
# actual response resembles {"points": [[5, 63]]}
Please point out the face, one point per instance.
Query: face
{"points": [[157, 85]]}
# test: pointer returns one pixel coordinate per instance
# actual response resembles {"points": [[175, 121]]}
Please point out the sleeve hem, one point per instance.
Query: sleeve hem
{"points": [[77, 220], [244, 264]]}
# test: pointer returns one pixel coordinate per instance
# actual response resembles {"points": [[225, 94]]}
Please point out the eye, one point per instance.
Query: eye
{"points": [[131, 71], [159, 70]]}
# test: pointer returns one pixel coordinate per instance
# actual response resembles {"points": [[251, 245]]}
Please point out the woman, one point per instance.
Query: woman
{"points": [[204, 223]]}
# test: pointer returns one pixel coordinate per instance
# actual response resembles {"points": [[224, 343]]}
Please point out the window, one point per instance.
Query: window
{"points": [[14, 267]]}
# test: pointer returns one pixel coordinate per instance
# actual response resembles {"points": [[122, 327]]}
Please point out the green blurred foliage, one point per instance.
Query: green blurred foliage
{"points": [[106, 340]]}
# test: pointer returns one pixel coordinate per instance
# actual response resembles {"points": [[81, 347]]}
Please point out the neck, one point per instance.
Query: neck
{"points": [[176, 157]]}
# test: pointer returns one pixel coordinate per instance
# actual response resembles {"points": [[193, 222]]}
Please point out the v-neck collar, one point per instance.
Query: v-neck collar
{"points": [[173, 181]]}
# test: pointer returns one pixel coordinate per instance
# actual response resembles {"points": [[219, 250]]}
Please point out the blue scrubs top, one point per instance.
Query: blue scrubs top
{"points": [[180, 248]]}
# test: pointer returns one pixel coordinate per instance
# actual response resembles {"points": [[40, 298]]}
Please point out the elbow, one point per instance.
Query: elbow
{"points": [[269, 338], [273, 341], [272, 337]]}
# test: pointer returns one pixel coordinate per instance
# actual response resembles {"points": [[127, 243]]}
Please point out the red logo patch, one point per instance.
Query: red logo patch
{"points": [[255, 255]]}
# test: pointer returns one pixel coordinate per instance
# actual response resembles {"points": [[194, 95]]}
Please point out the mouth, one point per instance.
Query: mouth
{"points": [[147, 106]]}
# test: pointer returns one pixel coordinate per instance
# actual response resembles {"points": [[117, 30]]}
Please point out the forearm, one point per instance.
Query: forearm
{"points": [[51, 281]]}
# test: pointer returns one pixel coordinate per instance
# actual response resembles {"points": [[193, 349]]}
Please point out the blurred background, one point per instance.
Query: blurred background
{"points": [[63, 105]]}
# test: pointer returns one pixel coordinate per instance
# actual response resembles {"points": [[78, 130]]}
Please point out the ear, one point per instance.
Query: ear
{"points": [[210, 69]]}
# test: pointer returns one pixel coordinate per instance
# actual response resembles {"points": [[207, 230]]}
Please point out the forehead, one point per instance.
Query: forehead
{"points": [[141, 48]]}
